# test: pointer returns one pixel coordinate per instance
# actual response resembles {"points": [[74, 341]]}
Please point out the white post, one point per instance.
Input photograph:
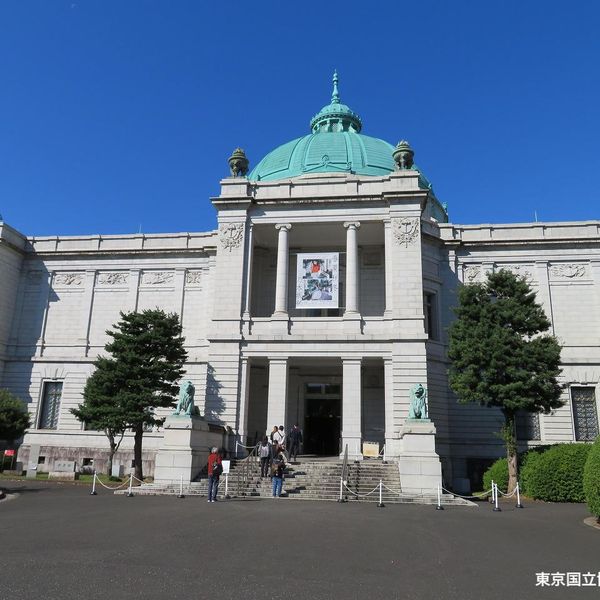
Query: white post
{"points": [[281, 281], [93, 492], [519, 505], [439, 499], [129, 492], [496, 507]]}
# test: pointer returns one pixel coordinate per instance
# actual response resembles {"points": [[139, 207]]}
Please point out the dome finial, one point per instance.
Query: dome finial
{"points": [[335, 96]]}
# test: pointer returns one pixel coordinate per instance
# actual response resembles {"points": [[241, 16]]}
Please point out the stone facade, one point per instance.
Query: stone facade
{"points": [[257, 361]]}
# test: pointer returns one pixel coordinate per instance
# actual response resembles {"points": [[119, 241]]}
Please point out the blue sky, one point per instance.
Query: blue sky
{"points": [[117, 115]]}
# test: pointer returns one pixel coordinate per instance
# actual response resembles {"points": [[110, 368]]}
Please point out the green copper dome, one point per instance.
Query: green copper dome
{"points": [[334, 146]]}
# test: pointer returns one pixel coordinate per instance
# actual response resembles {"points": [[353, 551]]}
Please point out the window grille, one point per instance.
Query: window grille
{"points": [[585, 413], [52, 394]]}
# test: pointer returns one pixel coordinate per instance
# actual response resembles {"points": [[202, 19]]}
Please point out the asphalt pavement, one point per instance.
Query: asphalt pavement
{"points": [[59, 542]]}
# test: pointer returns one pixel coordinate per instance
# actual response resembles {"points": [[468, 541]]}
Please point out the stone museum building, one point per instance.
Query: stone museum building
{"points": [[322, 298]]}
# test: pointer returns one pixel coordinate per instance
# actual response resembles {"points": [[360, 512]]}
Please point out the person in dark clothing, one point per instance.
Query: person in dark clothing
{"points": [[295, 439]]}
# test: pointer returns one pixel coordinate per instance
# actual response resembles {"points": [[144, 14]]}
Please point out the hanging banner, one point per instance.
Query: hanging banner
{"points": [[317, 280]]}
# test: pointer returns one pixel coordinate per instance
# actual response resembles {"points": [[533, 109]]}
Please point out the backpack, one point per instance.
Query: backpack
{"points": [[217, 469]]}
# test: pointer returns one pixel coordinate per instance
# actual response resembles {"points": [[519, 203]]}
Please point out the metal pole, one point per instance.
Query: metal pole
{"points": [[381, 504], [181, 487], [129, 492], [496, 507], [94, 492], [439, 499], [519, 505]]}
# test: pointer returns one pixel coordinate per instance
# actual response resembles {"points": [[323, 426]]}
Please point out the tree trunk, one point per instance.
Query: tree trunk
{"points": [[510, 439], [137, 451]]}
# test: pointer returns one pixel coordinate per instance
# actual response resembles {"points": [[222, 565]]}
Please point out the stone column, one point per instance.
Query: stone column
{"points": [[351, 408], [389, 289], [244, 399], [351, 270], [281, 286], [277, 399]]}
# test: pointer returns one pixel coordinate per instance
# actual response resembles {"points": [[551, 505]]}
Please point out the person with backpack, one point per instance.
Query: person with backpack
{"points": [[215, 468], [277, 468], [265, 455]]}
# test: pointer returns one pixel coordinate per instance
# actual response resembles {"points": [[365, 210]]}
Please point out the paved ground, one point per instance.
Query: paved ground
{"points": [[58, 542]]}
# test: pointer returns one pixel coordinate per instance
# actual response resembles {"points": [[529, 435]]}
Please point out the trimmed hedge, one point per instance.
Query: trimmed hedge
{"points": [[556, 475], [498, 473], [591, 479]]}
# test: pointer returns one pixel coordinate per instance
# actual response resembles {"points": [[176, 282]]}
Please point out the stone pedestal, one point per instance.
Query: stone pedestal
{"points": [[420, 466], [186, 445]]}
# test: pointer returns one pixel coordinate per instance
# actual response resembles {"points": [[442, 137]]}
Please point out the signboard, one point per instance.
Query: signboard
{"points": [[226, 464], [317, 280]]}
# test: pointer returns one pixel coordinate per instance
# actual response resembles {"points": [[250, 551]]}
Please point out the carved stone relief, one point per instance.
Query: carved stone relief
{"points": [[68, 279], [568, 270], [118, 278], [406, 230], [231, 235], [157, 277]]}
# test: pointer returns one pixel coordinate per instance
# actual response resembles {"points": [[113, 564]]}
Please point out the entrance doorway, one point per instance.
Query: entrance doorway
{"points": [[322, 420]]}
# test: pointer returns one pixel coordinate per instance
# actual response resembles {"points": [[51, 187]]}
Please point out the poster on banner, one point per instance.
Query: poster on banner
{"points": [[317, 280]]}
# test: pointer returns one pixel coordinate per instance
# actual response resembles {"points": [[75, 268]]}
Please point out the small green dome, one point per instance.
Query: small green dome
{"points": [[335, 145]]}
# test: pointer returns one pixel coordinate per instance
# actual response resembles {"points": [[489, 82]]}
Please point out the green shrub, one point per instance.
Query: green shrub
{"points": [[498, 473], [591, 479], [556, 475]]}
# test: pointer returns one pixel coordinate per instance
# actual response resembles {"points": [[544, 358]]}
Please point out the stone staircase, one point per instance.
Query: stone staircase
{"points": [[311, 479]]}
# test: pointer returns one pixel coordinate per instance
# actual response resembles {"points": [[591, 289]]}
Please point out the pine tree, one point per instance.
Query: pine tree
{"points": [[499, 357], [147, 358], [14, 419]]}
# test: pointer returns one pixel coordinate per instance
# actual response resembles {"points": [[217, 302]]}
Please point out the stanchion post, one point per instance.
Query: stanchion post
{"points": [[439, 499], [129, 491], [519, 505], [94, 492], [381, 504], [496, 507], [180, 495]]}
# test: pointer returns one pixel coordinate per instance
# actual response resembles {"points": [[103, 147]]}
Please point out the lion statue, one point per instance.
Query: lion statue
{"points": [[418, 402], [185, 404]]}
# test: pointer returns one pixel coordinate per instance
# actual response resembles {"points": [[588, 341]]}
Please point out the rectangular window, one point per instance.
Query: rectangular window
{"points": [[52, 393], [430, 311], [585, 413], [528, 426]]}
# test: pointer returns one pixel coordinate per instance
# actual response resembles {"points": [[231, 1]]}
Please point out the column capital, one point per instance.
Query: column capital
{"points": [[352, 224], [286, 226]]}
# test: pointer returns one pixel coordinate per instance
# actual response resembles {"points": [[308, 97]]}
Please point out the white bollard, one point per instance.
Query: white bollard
{"points": [[181, 487], [381, 504], [439, 499], [519, 505], [496, 507], [94, 492], [129, 492]]}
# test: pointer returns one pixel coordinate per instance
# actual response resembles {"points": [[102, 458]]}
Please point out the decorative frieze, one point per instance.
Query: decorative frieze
{"points": [[568, 271], [67, 279], [113, 279], [406, 230], [193, 278], [231, 235], [471, 273], [157, 278]]}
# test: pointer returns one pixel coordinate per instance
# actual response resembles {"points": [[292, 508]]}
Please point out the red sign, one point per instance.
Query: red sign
{"points": [[9, 453]]}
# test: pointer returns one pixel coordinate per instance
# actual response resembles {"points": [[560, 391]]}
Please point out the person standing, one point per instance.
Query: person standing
{"points": [[265, 454], [215, 468], [295, 439], [277, 469]]}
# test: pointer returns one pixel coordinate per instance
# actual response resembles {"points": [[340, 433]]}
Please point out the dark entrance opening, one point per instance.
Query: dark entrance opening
{"points": [[322, 425]]}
